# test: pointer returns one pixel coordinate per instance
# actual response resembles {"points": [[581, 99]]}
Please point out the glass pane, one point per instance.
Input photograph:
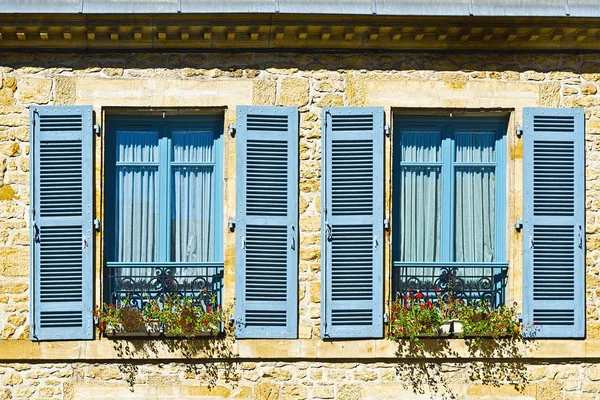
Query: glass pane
{"points": [[475, 146], [192, 146], [137, 214], [421, 146], [475, 213], [420, 214], [137, 146], [192, 198]]}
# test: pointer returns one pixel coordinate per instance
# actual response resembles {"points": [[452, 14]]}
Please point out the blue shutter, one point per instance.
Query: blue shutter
{"points": [[554, 223], [61, 223], [353, 209], [267, 221]]}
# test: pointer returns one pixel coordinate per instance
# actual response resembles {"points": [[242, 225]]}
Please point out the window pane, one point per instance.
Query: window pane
{"points": [[475, 212], [137, 197], [192, 146], [475, 146], [137, 146], [137, 214], [192, 198], [421, 146], [420, 214]]}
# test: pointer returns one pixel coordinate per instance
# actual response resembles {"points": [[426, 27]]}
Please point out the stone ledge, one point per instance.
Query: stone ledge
{"points": [[313, 349]]}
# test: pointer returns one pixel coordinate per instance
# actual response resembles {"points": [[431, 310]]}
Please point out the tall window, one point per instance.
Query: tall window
{"points": [[164, 205], [449, 202]]}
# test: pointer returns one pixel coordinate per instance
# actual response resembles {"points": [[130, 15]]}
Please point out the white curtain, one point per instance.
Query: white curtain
{"points": [[475, 198], [420, 197], [137, 197], [192, 194]]}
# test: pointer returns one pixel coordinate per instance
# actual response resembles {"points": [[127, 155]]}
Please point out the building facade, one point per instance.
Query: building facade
{"points": [[305, 165]]}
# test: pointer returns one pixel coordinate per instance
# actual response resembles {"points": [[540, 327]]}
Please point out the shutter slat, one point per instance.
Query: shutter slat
{"points": [[62, 239], [353, 211], [553, 236], [267, 220]]}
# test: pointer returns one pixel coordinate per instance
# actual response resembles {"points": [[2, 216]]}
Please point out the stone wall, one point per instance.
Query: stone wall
{"points": [[300, 380], [310, 82]]}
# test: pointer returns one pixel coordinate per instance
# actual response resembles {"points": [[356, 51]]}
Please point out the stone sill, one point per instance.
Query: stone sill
{"points": [[278, 349]]}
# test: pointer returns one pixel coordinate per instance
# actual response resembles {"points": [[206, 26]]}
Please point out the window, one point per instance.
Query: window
{"points": [[449, 206], [164, 206]]}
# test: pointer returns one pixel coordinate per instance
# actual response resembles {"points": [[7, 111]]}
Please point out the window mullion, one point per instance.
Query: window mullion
{"points": [[447, 197], [163, 209]]}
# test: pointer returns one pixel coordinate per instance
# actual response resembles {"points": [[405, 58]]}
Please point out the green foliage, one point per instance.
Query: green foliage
{"points": [[182, 316], [414, 316], [481, 319], [174, 315]]}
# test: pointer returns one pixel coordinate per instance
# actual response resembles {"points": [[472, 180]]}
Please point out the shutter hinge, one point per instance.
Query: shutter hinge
{"points": [[387, 130], [519, 131], [519, 225], [97, 225], [232, 130], [386, 224], [97, 129], [231, 224]]}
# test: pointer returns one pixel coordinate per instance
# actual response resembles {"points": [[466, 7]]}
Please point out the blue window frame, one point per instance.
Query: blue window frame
{"points": [[449, 202], [164, 207]]}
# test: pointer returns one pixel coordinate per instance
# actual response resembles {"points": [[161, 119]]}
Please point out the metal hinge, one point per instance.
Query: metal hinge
{"points": [[519, 225], [97, 225], [387, 130], [231, 224], [519, 131], [97, 129], [386, 224], [232, 130]]}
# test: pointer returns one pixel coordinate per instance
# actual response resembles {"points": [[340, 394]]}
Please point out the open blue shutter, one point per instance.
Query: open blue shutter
{"points": [[554, 223], [353, 210], [61, 223], [267, 220]]}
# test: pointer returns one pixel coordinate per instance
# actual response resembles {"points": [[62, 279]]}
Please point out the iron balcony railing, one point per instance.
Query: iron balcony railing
{"points": [[144, 281], [470, 282]]}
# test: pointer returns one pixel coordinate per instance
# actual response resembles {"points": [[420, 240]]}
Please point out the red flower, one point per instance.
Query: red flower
{"points": [[405, 297], [422, 306], [437, 289], [111, 305], [204, 323], [208, 308], [515, 303], [419, 295], [95, 313], [409, 290], [102, 326]]}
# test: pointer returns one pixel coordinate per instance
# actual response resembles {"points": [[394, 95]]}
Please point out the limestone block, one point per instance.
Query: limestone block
{"points": [[550, 94], [10, 149], [12, 380], [549, 391], [14, 261], [326, 392], [264, 93], [331, 100], [293, 92], [64, 91], [34, 90], [266, 391], [589, 89]]}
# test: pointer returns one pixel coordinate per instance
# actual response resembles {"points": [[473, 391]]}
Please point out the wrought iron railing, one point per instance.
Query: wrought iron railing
{"points": [[467, 281], [141, 282]]}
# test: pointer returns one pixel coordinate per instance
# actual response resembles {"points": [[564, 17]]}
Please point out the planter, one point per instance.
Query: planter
{"points": [[457, 327]]}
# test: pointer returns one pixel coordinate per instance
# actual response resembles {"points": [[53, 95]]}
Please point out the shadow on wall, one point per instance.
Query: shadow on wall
{"points": [[211, 359], [233, 64], [493, 363]]}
